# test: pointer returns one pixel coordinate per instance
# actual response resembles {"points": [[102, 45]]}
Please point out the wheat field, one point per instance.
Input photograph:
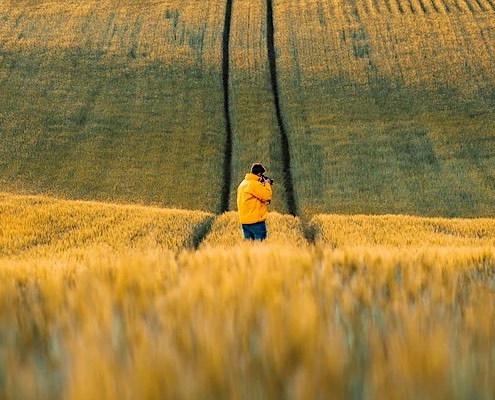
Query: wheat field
{"points": [[122, 278], [112, 101], [388, 105], [113, 302]]}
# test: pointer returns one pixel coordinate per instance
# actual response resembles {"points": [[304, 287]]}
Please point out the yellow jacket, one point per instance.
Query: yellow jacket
{"points": [[252, 199]]}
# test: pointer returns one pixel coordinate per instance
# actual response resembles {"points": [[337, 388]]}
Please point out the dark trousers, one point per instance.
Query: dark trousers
{"points": [[255, 231]]}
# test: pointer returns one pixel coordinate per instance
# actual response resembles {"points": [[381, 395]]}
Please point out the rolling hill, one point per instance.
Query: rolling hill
{"points": [[356, 107], [360, 107]]}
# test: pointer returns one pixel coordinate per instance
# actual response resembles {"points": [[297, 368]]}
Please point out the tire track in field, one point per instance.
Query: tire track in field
{"points": [[227, 162], [272, 58]]}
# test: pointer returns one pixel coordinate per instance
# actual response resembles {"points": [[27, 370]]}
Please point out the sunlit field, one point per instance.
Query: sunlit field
{"points": [[388, 105], [104, 100], [110, 302], [123, 271]]}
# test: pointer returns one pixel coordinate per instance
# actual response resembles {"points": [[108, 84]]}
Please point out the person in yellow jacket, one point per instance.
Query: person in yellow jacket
{"points": [[253, 195]]}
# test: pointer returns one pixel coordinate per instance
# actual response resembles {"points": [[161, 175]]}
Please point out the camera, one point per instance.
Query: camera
{"points": [[263, 178]]}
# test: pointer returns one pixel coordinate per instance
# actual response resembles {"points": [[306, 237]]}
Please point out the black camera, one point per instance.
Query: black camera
{"points": [[263, 178]]}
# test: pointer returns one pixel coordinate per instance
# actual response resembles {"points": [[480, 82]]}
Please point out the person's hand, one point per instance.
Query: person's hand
{"points": [[266, 180]]}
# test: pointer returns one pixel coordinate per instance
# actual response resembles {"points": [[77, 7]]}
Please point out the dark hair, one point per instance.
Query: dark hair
{"points": [[257, 168]]}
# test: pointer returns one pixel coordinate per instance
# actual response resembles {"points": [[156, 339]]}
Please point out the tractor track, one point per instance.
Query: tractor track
{"points": [[227, 162], [284, 139]]}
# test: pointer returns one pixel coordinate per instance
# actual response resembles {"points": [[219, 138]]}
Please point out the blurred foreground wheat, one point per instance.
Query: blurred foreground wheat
{"points": [[270, 320]]}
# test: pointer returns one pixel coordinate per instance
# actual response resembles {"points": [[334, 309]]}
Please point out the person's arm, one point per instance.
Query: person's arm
{"points": [[263, 192]]}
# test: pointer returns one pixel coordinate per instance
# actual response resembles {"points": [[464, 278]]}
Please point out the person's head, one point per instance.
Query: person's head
{"points": [[257, 169]]}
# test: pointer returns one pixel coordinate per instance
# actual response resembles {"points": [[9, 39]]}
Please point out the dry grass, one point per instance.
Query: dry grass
{"points": [[403, 307], [250, 322], [282, 229], [402, 231], [36, 226]]}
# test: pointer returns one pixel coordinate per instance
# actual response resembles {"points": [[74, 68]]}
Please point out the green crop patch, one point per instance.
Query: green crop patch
{"points": [[372, 99], [354, 107], [111, 103]]}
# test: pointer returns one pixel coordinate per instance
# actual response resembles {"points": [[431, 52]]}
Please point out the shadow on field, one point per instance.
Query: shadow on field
{"points": [[201, 231], [272, 58], [227, 163]]}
